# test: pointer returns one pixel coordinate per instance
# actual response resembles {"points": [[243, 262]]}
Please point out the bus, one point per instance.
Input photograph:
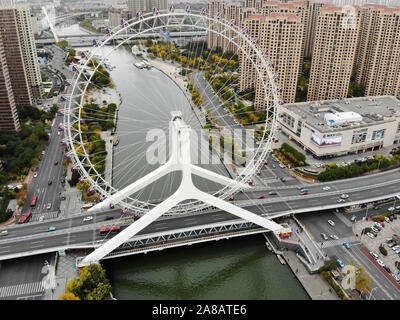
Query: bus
{"points": [[33, 201], [25, 217], [109, 230]]}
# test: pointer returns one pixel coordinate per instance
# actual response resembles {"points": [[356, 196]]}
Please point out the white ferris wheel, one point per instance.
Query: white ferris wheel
{"points": [[171, 28]]}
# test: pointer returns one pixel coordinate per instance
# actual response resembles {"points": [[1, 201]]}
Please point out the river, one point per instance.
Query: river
{"points": [[239, 268]]}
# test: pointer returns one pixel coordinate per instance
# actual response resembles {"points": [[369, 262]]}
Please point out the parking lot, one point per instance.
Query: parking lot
{"points": [[382, 236]]}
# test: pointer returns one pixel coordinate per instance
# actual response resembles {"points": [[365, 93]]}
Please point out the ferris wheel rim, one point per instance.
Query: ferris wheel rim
{"points": [[223, 192]]}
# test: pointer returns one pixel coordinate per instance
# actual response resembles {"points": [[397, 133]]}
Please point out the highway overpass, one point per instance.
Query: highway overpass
{"points": [[72, 232]]}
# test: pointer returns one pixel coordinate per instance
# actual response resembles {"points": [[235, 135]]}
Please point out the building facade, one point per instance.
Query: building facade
{"points": [[340, 127], [333, 55], [8, 110], [377, 65]]}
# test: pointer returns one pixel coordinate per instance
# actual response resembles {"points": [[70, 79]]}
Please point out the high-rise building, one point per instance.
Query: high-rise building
{"points": [[333, 54], [377, 64], [21, 54], [281, 35], [8, 110], [146, 5]]}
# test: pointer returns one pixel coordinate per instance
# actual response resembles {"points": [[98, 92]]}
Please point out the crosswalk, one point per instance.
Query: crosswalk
{"points": [[47, 215], [339, 242], [22, 289]]}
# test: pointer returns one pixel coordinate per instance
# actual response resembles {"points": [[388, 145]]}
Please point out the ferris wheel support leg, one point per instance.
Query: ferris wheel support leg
{"points": [[132, 188], [130, 231], [210, 175], [238, 211]]}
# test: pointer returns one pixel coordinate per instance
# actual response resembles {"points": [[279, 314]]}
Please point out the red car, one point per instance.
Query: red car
{"points": [[304, 193], [381, 223], [261, 197]]}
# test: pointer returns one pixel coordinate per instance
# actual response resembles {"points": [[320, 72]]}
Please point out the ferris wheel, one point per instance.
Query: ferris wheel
{"points": [[174, 38]]}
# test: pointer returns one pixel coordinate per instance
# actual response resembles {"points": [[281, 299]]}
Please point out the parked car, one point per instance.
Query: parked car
{"points": [[324, 236], [331, 223], [346, 244], [387, 269], [374, 255], [35, 175], [381, 223], [391, 244], [333, 236], [49, 206], [375, 229], [387, 219], [378, 225], [380, 262], [4, 233], [369, 234], [391, 218]]}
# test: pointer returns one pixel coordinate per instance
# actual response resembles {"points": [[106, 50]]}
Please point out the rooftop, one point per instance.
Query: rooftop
{"points": [[352, 112]]}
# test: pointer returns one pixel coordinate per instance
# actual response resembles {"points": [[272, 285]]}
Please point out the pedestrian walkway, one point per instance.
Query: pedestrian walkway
{"points": [[314, 284], [45, 215]]}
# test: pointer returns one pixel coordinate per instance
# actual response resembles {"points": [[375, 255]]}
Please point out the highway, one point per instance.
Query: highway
{"points": [[72, 230]]}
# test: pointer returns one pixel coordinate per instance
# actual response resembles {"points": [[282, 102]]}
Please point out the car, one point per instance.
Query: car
{"points": [[50, 182], [324, 236], [381, 223], [341, 200], [58, 132], [50, 229], [390, 209], [88, 218], [397, 207], [387, 269], [304, 190], [331, 223], [273, 166], [271, 193], [281, 165], [4, 233], [369, 234], [35, 175], [299, 188], [340, 263], [283, 179], [391, 244], [261, 197], [397, 250], [334, 236], [378, 225], [108, 218], [387, 219], [391, 218], [394, 216], [374, 255], [346, 244], [396, 277], [303, 193], [56, 163], [43, 152], [326, 188], [49, 206], [344, 196], [41, 218], [380, 262], [374, 229]]}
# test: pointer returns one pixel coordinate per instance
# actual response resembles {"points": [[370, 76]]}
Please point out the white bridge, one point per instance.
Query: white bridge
{"points": [[179, 161]]}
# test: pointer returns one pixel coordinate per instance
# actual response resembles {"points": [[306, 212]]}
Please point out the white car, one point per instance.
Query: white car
{"points": [[49, 206], [341, 200], [88, 218], [344, 196], [375, 229], [333, 236], [43, 152], [41, 218], [387, 219], [374, 255], [326, 188], [397, 207], [369, 234], [35, 175], [331, 223], [391, 209], [380, 262]]}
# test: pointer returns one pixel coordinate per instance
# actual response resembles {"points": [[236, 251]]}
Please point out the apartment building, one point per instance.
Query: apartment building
{"points": [[377, 65], [333, 55], [8, 110]]}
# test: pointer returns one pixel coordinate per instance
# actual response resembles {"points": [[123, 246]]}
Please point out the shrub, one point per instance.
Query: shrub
{"points": [[383, 250]]}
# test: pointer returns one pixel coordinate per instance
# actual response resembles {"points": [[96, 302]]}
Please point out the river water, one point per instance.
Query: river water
{"points": [[240, 268]]}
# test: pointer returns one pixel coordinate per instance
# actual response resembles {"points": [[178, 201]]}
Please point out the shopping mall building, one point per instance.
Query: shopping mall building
{"points": [[340, 127]]}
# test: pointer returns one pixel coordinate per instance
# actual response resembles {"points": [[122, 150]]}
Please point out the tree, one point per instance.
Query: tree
{"points": [[362, 280], [68, 296]]}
